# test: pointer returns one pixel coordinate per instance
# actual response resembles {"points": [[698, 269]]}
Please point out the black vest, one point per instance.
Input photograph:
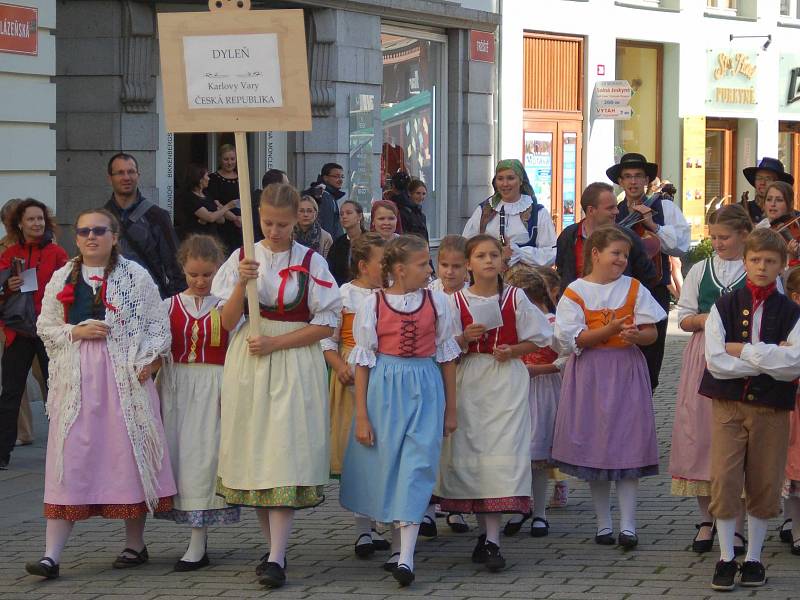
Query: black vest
{"points": [[778, 319], [658, 217]]}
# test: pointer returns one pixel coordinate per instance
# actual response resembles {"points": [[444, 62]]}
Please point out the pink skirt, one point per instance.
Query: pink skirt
{"points": [[99, 466], [690, 458], [793, 458]]}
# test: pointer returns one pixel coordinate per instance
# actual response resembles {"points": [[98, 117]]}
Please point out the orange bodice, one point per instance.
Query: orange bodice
{"points": [[596, 319]]}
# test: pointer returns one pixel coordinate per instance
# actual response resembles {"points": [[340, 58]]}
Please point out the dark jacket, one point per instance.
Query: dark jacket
{"points": [[148, 238], [658, 218], [779, 317], [412, 219], [639, 265], [339, 260], [329, 211]]}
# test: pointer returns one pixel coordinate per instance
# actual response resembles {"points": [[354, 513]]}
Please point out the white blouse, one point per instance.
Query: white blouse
{"points": [[571, 320], [189, 304], [365, 326], [352, 299], [324, 303], [779, 362], [727, 273], [88, 272], [544, 254], [532, 324]]}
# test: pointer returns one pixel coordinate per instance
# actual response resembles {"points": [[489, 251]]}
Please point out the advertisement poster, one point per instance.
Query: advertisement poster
{"points": [[569, 152], [539, 164], [694, 175]]}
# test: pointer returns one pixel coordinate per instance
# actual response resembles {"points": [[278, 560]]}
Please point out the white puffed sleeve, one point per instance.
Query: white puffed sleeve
{"points": [[332, 343], [688, 302], [447, 348], [719, 363], [647, 311], [570, 322], [156, 336], [779, 362], [226, 278], [324, 301], [544, 253], [365, 334], [473, 226], [532, 323], [676, 233]]}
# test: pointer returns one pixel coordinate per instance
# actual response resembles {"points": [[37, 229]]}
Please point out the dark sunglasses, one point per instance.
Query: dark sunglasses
{"points": [[97, 231]]}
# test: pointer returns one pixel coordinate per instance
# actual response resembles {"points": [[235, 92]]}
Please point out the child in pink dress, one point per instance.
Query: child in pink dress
{"points": [[791, 492]]}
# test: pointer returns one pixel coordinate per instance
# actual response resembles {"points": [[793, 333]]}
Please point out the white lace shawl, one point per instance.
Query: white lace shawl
{"points": [[139, 333]]}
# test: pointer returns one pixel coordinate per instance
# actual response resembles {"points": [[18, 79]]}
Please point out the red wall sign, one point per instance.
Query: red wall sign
{"points": [[481, 46], [19, 29]]}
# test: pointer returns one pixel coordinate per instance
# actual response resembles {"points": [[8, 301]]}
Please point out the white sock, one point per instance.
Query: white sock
{"points": [[363, 529], [134, 533], [56, 536], [396, 540], [481, 518], [516, 518], [197, 545], [726, 528], [408, 541], [280, 528], [602, 505], [262, 514], [626, 496], [793, 512], [756, 533], [430, 512], [540, 482], [493, 521]]}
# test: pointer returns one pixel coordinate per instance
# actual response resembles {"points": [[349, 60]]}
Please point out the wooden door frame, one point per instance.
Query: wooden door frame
{"points": [[793, 128], [729, 127]]}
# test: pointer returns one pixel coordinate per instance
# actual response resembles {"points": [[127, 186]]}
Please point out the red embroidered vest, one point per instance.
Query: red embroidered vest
{"points": [[406, 334], [507, 334], [202, 340]]}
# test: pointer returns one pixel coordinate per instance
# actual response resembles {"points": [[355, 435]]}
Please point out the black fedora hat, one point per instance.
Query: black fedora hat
{"points": [[768, 164], [632, 160]]}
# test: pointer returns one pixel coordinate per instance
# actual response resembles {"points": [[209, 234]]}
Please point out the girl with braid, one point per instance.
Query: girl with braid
{"points": [[105, 329]]}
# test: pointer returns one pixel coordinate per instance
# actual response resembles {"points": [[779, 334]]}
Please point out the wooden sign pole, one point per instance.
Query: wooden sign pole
{"points": [[245, 202]]}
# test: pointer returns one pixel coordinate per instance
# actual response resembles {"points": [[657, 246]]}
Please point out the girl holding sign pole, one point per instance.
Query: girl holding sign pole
{"points": [[274, 420]]}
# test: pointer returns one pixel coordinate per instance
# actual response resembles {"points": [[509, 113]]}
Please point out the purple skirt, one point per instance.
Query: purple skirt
{"points": [[605, 426]]}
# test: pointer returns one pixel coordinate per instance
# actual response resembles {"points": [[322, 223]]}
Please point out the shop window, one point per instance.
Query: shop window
{"points": [[412, 115], [790, 8], [641, 66]]}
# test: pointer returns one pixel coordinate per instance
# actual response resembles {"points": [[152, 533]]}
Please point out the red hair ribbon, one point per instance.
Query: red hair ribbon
{"points": [[284, 275]]}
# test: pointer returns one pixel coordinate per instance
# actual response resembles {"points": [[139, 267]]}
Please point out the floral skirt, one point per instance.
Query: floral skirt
{"points": [[202, 518], [290, 496], [81, 512], [511, 504]]}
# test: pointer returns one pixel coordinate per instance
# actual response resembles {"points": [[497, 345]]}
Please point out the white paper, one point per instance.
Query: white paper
{"points": [[29, 281], [487, 314], [232, 71]]}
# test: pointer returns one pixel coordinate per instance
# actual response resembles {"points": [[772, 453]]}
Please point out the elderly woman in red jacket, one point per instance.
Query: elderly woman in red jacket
{"points": [[33, 227]]}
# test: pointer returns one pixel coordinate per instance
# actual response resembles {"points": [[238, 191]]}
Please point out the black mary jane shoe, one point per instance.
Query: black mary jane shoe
{"points": [[796, 547], [366, 549], [126, 562], [403, 575], [479, 554], [512, 527], [262, 566], [458, 526], [428, 527], [604, 539], [786, 532], [184, 565], [703, 546], [494, 560], [391, 564], [540, 531], [742, 548], [627, 541], [274, 575], [380, 544], [44, 567]]}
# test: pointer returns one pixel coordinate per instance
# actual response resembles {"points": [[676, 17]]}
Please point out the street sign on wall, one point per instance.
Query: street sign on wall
{"points": [[610, 100], [19, 29]]}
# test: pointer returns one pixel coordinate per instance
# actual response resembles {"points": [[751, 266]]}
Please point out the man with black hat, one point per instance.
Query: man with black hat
{"points": [[768, 171], [664, 232]]}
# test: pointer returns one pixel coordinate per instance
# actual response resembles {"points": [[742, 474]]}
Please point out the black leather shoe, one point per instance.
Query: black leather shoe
{"points": [[124, 561], [365, 549], [380, 544], [540, 531], [428, 527], [604, 539], [185, 565], [458, 525], [260, 569], [724, 579], [494, 560], [703, 546], [274, 575], [796, 547], [786, 532], [513, 527], [403, 575], [3, 464], [44, 567], [479, 553], [753, 574], [742, 548], [628, 540]]}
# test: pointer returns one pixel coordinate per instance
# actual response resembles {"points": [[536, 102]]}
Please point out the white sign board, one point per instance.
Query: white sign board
{"points": [[232, 71], [610, 100]]}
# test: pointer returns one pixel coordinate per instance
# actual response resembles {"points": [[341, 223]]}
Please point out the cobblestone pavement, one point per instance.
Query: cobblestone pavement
{"points": [[322, 566]]}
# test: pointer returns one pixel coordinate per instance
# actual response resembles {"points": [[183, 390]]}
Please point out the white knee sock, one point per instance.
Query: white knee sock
{"points": [[726, 528], [396, 539], [134, 533], [793, 512], [262, 514], [756, 533], [540, 482], [363, 528], [493, 521], [56, 536], [408, 541], [626, 496], [481, 518], [602, 505], [280, 528], [197, 545]]}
